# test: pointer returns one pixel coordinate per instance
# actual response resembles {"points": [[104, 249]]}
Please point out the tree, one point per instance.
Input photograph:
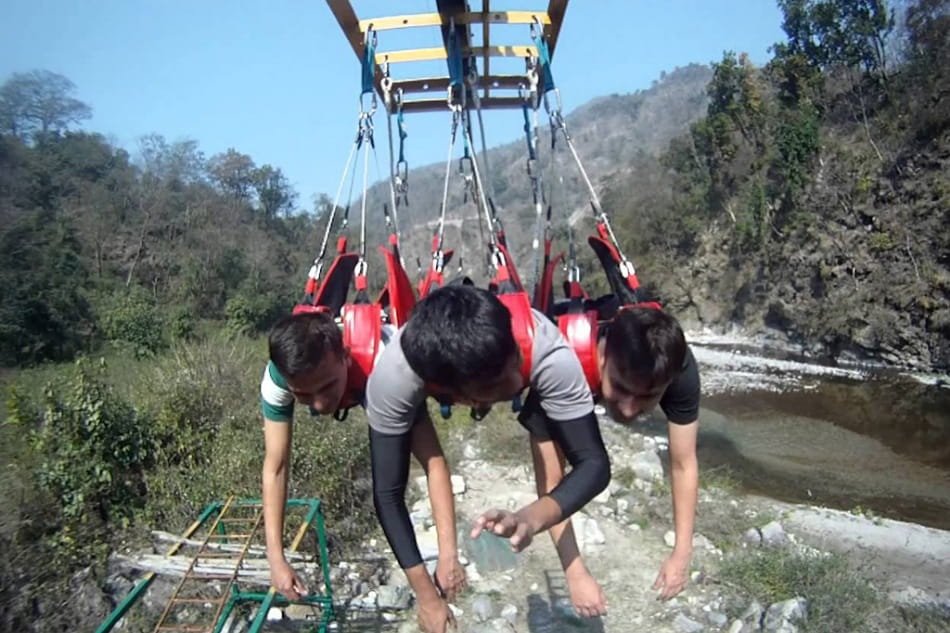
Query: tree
{"points": [[274, 192], [734, 92], [177, 164], [927, 73], [829, 33], [43, 314], [39, 102], [234, 173]]}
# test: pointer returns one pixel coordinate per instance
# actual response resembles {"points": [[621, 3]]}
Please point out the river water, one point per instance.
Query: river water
{"points": [[851, 438]]}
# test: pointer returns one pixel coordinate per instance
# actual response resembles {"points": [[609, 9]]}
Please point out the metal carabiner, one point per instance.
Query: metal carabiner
{"points": [[438, 260], [536, 23], [387, 83], [361, 268], [530, 167], [471, 78], [531, 74], [468, 177], [626, 268], [497, 258], [402, 182]]}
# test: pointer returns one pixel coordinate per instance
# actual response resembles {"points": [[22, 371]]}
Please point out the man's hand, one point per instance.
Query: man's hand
{"points": [[510, 525], [674, 572], [286, 581], [586, 594], [435, 616], [449, 577]]}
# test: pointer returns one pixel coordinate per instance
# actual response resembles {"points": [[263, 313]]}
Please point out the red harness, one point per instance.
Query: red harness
{"points": [[579, 326], [362, 336], [361, 319]]}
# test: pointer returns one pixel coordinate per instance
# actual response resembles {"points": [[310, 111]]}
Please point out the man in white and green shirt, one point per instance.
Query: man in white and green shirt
{"points": [[309, 364]]}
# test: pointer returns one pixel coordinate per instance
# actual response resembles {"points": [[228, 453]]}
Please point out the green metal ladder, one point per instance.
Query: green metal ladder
{"points": [[224, 517]]}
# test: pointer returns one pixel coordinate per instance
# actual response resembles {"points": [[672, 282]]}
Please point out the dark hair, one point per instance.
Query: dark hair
{"points": [[459, 335], [299, 343], [646, 345]]}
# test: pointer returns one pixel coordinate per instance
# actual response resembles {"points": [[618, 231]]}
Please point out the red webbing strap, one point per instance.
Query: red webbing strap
{"points": [[512, 295], [430, 282], [574, 290], [362, 333], [310, 288], [522, 327], [434, 278], [313, 285], [544, 290], [399, 291], [306, 308], [507, 271], [603, 236]]}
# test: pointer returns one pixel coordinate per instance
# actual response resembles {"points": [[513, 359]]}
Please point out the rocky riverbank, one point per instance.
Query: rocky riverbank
{"points": [[624, 535], [758, 564]]}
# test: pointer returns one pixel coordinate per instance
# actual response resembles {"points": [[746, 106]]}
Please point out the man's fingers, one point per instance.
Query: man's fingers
{"points": [[485, 522], [668, 592], [677, 588], [658, 583], [490, 515], [300, 588], [521, 538], [290, 594]]}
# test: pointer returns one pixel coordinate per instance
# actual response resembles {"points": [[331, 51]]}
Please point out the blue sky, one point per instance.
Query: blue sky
{"points": [[278, 81]]}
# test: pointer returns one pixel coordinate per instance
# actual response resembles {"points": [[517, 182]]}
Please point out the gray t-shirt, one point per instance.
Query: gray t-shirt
{"points": [[395, 392]]}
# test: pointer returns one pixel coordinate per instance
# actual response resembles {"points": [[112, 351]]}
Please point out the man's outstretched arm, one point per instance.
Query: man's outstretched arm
{"points": [[428, 451], [581, 442], [277, 443], [684, 471], [587, 596], [389, 455]]}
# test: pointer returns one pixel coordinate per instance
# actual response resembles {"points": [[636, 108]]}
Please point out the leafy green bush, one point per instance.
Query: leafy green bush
{"points": [[750, 219], [797, 137], [92, 449], [881, 241], [331, 462], [181, 324], [130, 318], [203, 398], [252, 309]]}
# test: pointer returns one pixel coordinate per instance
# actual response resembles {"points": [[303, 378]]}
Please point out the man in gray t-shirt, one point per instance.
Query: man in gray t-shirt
{"points": [[459, 348]]}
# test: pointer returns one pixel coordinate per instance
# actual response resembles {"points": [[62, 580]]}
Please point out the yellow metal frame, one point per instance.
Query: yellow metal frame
{"points": [[436, 53], [437, 19], [355, 30]]}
